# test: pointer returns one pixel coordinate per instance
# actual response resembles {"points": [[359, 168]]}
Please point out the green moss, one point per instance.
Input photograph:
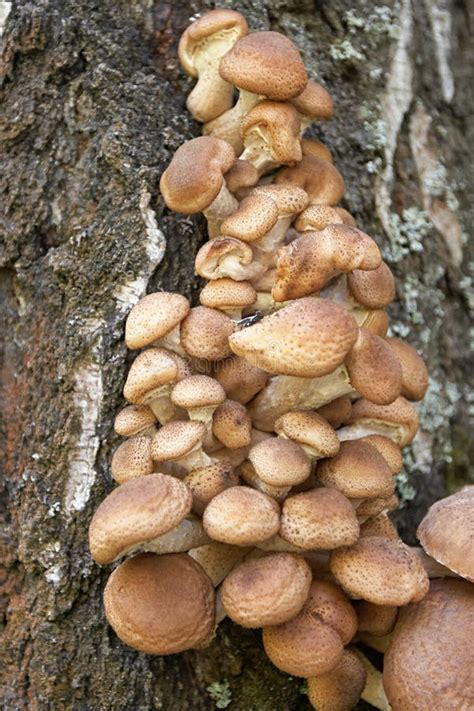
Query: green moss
{"points": [[220, 692]]}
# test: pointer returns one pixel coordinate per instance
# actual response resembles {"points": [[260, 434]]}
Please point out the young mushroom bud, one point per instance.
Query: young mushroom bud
{"points": [[414, 371], [232, 425], [135, 420], [181, 443], [155, 320], [241, 516], [201, 48], [205, 334], [149, 381], [313, 104], [341, 687], [131, 459], [228, 296], [310, 431], [319, 178], [206, 482], [200, 395]]}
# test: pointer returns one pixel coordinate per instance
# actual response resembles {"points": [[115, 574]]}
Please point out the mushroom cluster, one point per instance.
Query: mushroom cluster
{"points": [[264, 427]]}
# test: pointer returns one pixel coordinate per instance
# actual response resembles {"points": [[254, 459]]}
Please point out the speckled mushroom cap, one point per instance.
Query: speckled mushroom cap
{"points": [[314, 102], [224, 257], [380, 525], [255, 216], [375, 506], [377, 322], [266, 591], [309, 337], [431, 656], [378, 620], [337, 412], [309, 430], [150, 370], [313, 147], [290, 200], [358, 471], [399, 420], [205, 333], [319, 178], [373, 289], [176, 439], [137, 512], [241, 516], [195, 175], [330, 603], [265, 63], [388, 449], [240, 379], [133, 420], [206, 482], [232, 425], [131, 459], [227, 294], [320, 519], [379, 570], [414, 371], [241, 175], [340, 688], [456, 549], [280, 462], [276, 127], [317, 217], [199, 395], [153, 317], [161, 604], [374, 369]]}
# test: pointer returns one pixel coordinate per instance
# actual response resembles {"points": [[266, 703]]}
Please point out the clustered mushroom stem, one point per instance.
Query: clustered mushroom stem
{"points": [[374, 692]]}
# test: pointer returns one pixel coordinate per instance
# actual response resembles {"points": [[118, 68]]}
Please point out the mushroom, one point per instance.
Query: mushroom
{"points": [[240, 379], [279, 462], [340, 688], [199, 395], [379, 525], [319, 178], [241, 516], [313, 104], [201, 48], [414, 371], [218, 559], [240, 177], [135, 420], [314, 147], [131, 459], [149, 382], [310, 431], [398, 421], [317, 217], [377, 620], [181, 443], [337, 412], [227, 257], [155, 320], [161, 604], [206, 482], [232, 425], [205, 333], [228, 296], [389, 450]]}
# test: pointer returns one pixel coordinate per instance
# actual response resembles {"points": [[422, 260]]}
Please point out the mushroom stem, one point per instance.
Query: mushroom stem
{"points": [[187, 535], [227, 125], [172, 341], [196, 458], [374, 692], [162, 408], [370, 427], [222, 205]]}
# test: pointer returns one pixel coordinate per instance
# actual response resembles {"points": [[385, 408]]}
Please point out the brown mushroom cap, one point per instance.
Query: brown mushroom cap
{"points": [[319, 178], [376, 322], [378, 620], [176, 439], [153, 317], [399, 420], [280, 462], [388, 449], [380, 525], [289, 199], [375, 506], [314, 102], [205, 333], [340, 688], [226, 294], [373, 289], [347, 218], [150, 370], [309, 337], [275, 127], [374, 370], [313, 147], [456, 549], [206, 482], [414, 371], [266, 591], [319, 519], [241, 516], [330, 603], [224, 257], [241, 175], [193, 179], [337, 412], [358, 471], [255, 216], [131, 459], [431, 656], [265, 63], [317, 217], [379, 570], [133, 420], [232, 425], [311, 431], [160, 604], [137, 512], [240, 379], [199, 394]]}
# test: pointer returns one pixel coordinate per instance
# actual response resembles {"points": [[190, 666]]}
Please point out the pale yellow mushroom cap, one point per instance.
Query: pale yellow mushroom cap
{"points": [[153, 317]]}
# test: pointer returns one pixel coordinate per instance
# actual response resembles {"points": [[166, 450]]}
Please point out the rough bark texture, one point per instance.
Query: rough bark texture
{"points": [[93, 106]]}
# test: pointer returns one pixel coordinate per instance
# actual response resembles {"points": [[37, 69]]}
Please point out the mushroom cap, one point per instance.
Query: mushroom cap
{"points": [[289, 199], [309, 337], [232, 425], [388, 449], [359, 471], [337, 412], [340, 688], [266, 591], [378, 620], [380, 570], [241, 516], [137, 512], [313, 147], [212, 260], [380, 525], [280, 462], [225, 294], [153, 317], [311, 430], [213, 24], [160, 604], [374, 369], [206, 482], [240, 379], [255, 216], [205, 333], [317, 217], [374, 507], [197, 391], [314, 102], [265, 63], [346, 217], [399, 420], [176, 439], [331, 604], [241, 175], [320, 519], [150, 370], [456, 549], [376, 322], [373, 289], [319, 178], [131, 459], [277, 127], [195, 175], [133, 420], [429, 662], [414, 370]]}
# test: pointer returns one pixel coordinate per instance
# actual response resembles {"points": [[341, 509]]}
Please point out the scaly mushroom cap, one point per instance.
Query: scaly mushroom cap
{"points": [[272, 127], [255, 216], [314, 102], [161, 604], [373, 289], [313, 147], [319, 178], [388, 449], [280, 462], [290, 200], [381, 526], [307, 264], [227, 295], [358, 471], [153, 317], [240, 379], [373, 507], [205, 333], [337, 412], [133, 420], [265, 63], [377, 322], [431, 656], [317, 217], [241, 516], [309, 337], [456, 549], [224, 257], [149, 371], [131, 459], [320, 519], [176, 439], [195, 175], [399, 420], [232, 425], [378, 620], [374, 370], [414, 371], [241, 175], [206, 482], [340, 688], [199, 394], [380, 570], [137, 512], [267, 591], [311, 431]]}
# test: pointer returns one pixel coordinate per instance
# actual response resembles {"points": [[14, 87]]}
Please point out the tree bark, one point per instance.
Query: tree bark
{"points": [[93, 107]]}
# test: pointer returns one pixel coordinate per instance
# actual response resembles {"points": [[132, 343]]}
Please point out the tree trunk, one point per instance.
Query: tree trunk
{"points": [[93, 107]]}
